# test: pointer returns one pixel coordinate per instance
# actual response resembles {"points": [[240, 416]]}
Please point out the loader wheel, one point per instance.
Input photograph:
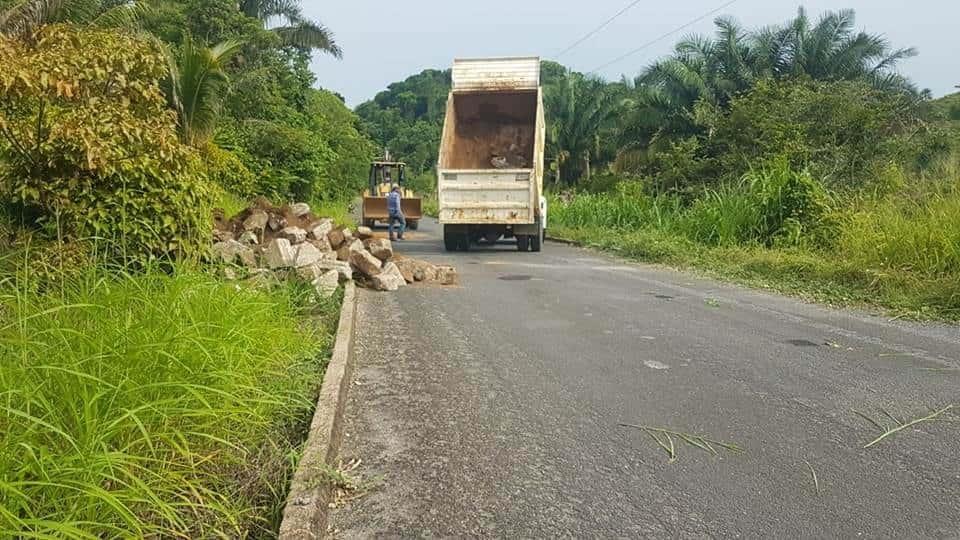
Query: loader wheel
{"points": [[413, 225], [523, 242]]}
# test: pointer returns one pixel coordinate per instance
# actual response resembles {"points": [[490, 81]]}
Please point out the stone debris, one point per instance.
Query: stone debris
{"points": [[295, 235], [336, 238], [365, 263], [249, 238], [264, 245], [343, 254], [279, 254], [364, 233], [300, 209], [257, 221], [380, 248], [389, 279], [327, 284]]}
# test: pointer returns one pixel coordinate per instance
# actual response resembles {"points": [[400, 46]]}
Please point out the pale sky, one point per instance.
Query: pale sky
{"points": [[387, 41]]}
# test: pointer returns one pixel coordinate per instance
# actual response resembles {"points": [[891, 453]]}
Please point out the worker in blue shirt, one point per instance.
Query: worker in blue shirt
{"points": [[396, 214]]}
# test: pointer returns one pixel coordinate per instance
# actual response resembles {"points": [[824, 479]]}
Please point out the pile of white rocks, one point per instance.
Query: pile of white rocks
{"points": [[291, 243]]}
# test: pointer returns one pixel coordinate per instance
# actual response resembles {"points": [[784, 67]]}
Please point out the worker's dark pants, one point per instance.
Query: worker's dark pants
{"points": [[403, 224]]}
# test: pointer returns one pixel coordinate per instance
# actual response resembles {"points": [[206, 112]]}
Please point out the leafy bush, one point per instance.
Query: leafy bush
{"points": [[842, 131], [155, 405], [227, 170], [90, 146]]}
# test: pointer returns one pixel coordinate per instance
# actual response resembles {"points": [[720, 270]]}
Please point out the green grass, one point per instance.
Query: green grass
{"points": [[338, 211], [152, 405], [900, 253]]}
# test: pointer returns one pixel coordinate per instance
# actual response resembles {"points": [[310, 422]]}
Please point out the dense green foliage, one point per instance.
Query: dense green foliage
{"points": [[142, 396], [150, 405], [89, 147]]}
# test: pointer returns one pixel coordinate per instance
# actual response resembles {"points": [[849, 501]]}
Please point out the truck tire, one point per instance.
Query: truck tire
{"points": [[523, 242], [464, 241], [451, 240], [413, 225], [536, 241]]}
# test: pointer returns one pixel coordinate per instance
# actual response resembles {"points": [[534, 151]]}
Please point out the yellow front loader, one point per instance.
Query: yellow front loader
{"points": [[375, 196]]}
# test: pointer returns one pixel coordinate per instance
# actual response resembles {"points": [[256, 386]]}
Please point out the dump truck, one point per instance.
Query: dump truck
{"points": [[383, 174], [490, 167]]}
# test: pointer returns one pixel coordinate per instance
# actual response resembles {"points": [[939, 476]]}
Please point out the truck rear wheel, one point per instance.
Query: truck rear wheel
{"points": [[523, 242], [536, 241], [451, 240]]}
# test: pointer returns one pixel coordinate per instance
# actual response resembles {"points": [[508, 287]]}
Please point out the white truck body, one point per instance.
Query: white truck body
{"points": [[490, 167]]}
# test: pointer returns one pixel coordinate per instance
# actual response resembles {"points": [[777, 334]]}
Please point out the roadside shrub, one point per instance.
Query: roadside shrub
{"points": [[90, 148], [226, 170], [842, 131]]}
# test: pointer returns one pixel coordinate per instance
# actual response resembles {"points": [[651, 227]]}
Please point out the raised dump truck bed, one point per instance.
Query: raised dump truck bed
{"points": [[490, 170]]}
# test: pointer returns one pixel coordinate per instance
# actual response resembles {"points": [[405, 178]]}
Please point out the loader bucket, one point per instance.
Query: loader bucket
{"points": [[375, 208]]}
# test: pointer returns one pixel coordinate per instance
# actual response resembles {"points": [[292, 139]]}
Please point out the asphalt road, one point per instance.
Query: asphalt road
{"points": [[494, 408]]}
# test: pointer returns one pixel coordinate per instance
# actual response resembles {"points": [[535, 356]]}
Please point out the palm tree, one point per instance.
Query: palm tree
{"points": [[21, 19], [295, 29], [712, 70], [831, 50], [197, 80], [578, 108]]}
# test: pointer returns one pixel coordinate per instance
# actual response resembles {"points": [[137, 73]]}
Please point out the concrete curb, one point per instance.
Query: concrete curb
{"points": [[305, 514]]}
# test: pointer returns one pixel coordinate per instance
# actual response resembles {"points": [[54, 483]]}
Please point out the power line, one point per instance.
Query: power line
{"points": [[664, 36], [597, 29]]}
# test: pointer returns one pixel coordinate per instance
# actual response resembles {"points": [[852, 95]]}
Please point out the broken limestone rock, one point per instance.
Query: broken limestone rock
{"points": [[343, 268], [365, 263], [446, 275], [279, 253], [327, 283], [320, 229], [343, 254], [322, 244], [256, 221], [414, 270], [390, 279], [276, 223], [347, 235], [300, 209], [249, 238], [295, 235], [307, 254], [233, 251], [380, 248], [336, 238], [364, 233]]}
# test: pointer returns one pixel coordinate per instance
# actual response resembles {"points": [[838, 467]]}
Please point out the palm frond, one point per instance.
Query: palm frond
{"points": [[310, 35]]}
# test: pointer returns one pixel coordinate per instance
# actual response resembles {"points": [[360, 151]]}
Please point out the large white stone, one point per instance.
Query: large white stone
{"points": [[307, 254], [381, 248], [233, 251], [389, 279], [279, 253], [295, 235], [327, 283], [300, 209], [320, 229], [365, 263]]}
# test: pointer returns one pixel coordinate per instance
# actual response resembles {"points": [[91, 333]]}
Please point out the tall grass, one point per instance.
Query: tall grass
{"points": [[154, 405], [899, 248]]}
